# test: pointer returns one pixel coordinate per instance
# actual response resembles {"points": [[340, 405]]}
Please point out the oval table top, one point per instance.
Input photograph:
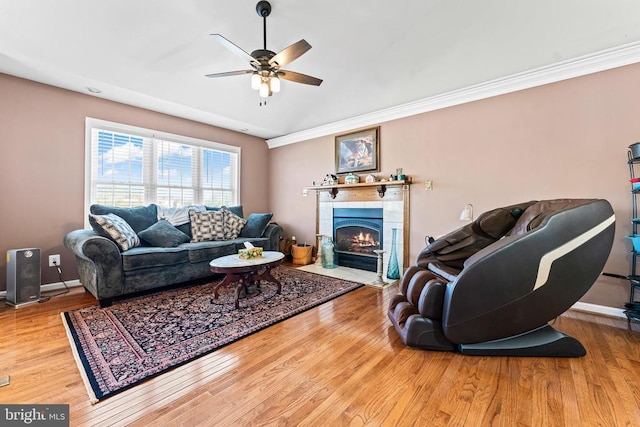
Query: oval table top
{"points": [[232, 262]]}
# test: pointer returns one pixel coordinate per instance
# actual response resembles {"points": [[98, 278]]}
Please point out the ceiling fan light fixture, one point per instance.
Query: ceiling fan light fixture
{"points": [[256, 79], [264, 90], [274, 84]]}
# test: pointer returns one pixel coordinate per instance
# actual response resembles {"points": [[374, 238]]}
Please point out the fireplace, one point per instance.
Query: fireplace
{"points": [[357, 232]]}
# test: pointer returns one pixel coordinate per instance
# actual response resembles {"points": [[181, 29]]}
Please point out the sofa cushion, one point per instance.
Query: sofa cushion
{"points": [[232, 223], [147, 257], [117, 230], [164, 235], [207, 251], [238, 210], [206, 226], [138, 218], [256, 225]]}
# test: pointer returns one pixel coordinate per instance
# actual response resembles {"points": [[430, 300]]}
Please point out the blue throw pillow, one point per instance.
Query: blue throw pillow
{"points": [[163, 235], [256, 225], [138, 218], [237, 210]]}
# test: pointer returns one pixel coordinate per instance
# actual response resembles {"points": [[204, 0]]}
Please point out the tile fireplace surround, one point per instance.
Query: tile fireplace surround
{"points": [[392, 197]]}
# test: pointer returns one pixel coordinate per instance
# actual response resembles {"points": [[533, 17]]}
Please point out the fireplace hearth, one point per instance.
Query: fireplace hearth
{"points": [[357, 233]]}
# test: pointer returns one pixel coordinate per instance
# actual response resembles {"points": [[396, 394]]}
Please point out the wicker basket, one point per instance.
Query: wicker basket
{"points": [[301, 254]]}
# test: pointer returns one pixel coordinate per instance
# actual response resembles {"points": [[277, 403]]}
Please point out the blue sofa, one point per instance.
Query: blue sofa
{"points": [[108, 271]]}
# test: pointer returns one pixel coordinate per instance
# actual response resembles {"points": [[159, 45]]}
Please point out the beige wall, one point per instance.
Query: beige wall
{"points": [[42, 164], [567, 139]]}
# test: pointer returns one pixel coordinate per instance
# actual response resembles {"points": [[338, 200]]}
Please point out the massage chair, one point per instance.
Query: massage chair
{"points": [[492, 286]]}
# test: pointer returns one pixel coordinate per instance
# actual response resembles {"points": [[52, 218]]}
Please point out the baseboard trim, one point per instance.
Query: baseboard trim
{"points": [[50, 287], [599, 309]]}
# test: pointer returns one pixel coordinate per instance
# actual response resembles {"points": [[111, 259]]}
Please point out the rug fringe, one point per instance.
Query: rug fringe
{"points": [[76, 356]]}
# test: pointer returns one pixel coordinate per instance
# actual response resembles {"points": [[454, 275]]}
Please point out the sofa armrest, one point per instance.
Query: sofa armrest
{"points": [[99, 263], [274, 233]]}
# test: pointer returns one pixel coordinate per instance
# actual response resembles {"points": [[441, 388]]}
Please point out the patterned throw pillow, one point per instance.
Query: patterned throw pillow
{"points": [[118, 229], [206, 225], [232, 224]]}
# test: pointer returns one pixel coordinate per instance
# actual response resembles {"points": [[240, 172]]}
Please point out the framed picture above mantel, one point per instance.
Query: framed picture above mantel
{"points": [[358, 151]]}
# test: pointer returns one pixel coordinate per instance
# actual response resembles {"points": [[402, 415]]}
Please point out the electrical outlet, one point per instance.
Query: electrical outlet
{"points": [[428, 185], [54, 260]]}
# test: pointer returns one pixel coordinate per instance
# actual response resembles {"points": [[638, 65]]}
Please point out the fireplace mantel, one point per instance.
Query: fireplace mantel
{"points": [[393, 199], [380, 186]]}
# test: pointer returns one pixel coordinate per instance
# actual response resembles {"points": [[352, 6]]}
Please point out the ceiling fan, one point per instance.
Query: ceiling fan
{"points": [[266, 72]]}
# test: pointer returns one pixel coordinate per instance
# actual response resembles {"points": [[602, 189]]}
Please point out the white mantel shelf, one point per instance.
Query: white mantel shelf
{"points": [[381, 186]]}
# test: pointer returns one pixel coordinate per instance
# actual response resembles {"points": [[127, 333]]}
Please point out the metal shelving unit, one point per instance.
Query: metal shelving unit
{"points": [[632, 308]]}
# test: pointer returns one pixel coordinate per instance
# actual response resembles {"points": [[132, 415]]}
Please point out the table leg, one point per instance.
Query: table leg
{"points": [[241, 284], [267, 276], [229, 278]]}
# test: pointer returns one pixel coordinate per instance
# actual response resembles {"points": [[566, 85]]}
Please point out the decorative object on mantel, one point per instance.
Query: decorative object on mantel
{"points": [[393, 269], [399, 175], [351, 179], [370, 178], [358, 151], [330, 179]]}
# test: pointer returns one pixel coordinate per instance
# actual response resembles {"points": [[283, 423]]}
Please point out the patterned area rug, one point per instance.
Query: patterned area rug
{"points": [[120, 346]]}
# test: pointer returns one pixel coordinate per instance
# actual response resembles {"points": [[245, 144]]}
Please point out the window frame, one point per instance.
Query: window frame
{"points": [[93, 123]]}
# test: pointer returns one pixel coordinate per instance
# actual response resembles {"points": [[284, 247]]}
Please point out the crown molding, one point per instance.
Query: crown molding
{"points": [[583, 65]]}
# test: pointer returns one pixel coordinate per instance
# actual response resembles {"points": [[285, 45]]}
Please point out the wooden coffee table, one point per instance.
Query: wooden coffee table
{"points": [[245, 271]]}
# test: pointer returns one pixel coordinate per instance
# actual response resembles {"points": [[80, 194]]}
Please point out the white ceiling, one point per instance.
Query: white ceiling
{"points": [[372, 54]]}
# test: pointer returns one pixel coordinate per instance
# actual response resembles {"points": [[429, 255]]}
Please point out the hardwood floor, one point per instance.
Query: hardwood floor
{"points": [[338, 364]]}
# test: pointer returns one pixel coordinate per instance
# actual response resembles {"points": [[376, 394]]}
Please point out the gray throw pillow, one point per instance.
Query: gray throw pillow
{"points": [[163, 235], [256, 225], [138, 218]]}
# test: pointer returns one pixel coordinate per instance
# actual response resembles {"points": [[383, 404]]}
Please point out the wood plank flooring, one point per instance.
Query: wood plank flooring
{"points": [[338, 364]]}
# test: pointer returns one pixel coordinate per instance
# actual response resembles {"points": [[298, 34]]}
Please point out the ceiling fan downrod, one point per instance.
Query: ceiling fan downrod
{"points": [[264, 9]]}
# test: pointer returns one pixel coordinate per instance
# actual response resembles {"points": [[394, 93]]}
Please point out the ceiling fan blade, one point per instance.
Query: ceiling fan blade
{"points": [[230, 73], [235, 49], [290, 53], [299, 78]]}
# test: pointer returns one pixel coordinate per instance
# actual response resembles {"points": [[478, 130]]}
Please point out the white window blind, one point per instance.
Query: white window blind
{"points": [[129, 166]]}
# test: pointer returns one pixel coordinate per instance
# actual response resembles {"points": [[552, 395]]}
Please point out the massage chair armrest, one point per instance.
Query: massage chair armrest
{"points": [[521, 282]]}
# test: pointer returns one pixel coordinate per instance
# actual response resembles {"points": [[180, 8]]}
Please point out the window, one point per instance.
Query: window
{"points": [[128, 166]]}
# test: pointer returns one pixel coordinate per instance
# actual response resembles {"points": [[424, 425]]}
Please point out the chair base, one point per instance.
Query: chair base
{"points": [[542, 342]]}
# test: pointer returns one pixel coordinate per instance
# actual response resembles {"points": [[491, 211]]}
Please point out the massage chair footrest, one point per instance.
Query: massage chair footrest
{"points": [[544, 342]]}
